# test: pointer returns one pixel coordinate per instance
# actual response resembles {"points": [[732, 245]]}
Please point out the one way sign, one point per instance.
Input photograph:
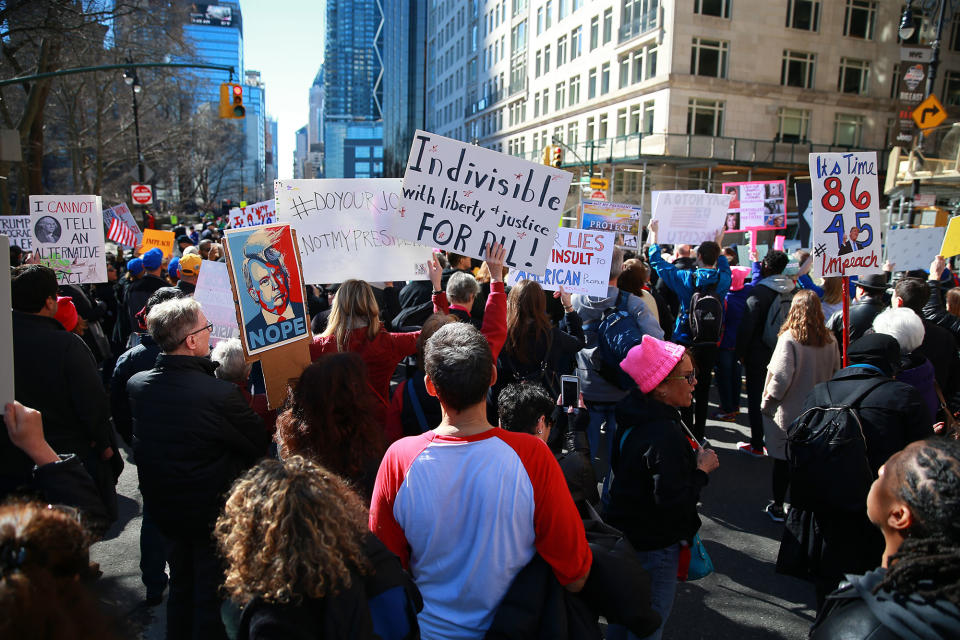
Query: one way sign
{"points": [[929, 113]]}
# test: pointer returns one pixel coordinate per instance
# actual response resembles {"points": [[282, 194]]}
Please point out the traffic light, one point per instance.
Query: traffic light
{"points": [[231, 100], [547, 153], [558, 156]]}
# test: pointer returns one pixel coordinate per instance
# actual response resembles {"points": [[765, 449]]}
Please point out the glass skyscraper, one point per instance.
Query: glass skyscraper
{"points": [[404, 69], [216, 33]]}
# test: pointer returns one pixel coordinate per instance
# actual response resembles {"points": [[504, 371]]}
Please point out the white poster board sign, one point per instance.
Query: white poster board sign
{"points": [[253, 214], [17, 230], [579, 262], [68, 237], [689, 217], [215, 295], [460, 197], [846, 214], [349, 229], [913, 248]]}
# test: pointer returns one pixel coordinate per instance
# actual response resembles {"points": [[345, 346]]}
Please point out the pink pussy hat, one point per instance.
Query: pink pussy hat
{"points": [[738, 275], [651, 361]]}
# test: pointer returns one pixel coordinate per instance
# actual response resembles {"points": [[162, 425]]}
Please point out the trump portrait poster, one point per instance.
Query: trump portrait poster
{"points": [[265, 268]]}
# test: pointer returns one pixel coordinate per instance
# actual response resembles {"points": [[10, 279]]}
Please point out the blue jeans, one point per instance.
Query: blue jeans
{"points": [[728, 380], [661, 564]]}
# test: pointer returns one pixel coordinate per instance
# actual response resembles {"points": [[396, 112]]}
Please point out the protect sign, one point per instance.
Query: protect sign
{"points": [[846, 214], [579, 262]]}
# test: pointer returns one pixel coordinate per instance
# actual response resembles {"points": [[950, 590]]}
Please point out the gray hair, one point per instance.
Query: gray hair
{"points": [[616, 263], [903, 325], [461, 286], [169, 322], [229, 355], [191, 249]]}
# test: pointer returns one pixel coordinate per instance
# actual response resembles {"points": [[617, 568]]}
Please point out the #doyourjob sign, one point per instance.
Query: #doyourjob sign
{"points": [[460, 197], [68, 237]]}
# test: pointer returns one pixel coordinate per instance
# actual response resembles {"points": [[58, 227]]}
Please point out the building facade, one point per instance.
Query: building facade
{"points": [[404, 77], [216, 33], [270, 159]]}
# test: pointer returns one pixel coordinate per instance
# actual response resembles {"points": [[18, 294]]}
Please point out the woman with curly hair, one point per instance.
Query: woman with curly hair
{"points": [[301, 561], [805, 356], [915, 502], [331, 419]]}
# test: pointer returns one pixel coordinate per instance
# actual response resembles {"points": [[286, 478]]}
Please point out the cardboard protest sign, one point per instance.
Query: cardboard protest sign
{"points": [[622, 219], [846, 214], [689, 218], [913, 248], [252, 215], [756, 205], [68, 237], [349, 229], [951, 239], [460, 197], [265, 271], [122, 212], [6, 329], [579, 262], [215, 295], [163, 240], [17, 230], [743, 253]]}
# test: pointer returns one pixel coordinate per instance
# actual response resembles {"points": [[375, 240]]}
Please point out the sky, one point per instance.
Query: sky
{"points": [[283, 40]]}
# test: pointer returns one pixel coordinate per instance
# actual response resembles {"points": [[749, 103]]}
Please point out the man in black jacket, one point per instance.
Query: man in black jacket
{"points": [[867, 305], [141, 289], [194, 434], [934, 309]]}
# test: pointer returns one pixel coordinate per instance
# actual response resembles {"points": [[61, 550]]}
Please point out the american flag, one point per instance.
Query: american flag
{"points": [[121, 233]]}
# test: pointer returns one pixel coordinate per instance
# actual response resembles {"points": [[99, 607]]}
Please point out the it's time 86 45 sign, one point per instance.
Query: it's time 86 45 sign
{"points": [[846, 214]]}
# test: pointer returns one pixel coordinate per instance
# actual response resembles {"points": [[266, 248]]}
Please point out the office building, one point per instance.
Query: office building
{"points": [[216, 33], [270, 158], [300, 153], [404, 76], [254, 185]]}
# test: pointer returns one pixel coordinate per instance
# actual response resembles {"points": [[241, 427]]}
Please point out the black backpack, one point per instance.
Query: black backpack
{"points": [[617, 333], [827, 453], [706, 316]]}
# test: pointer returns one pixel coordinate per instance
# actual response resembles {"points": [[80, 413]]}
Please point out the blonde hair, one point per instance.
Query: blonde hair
{"points": [[805, 320], [354, 302]]}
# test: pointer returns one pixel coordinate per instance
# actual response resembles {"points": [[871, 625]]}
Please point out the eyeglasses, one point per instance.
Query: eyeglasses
{"points": [[206, 327], [691, 378]]}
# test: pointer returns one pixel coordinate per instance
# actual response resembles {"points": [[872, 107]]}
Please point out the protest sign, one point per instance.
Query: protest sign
{"points": [[951, 240], [461, 197], [6, 328], [122, 212], [252, 215], [622, 219], [162, 240], [68, 237], [913, 248], [743, 253], [579, 262], [215, 295], [17, 230], [267, 282], [846, 214], [689, 218], [348, 229], [756, 205]]}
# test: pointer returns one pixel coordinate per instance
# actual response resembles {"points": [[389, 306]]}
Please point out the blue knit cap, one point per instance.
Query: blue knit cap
{"points": [[152, 259], [174, 267], [135, 266]]}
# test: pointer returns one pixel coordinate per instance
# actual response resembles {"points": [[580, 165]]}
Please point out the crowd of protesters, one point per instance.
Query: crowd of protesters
{"points": [[432, 475]]}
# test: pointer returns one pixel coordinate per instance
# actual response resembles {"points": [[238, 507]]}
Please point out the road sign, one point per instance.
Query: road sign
{"points": [[599, 183], [141, 194], [929, 113], [598, 195]]}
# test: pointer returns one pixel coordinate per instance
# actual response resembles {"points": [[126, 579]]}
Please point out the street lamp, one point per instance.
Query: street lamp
{"points": [[907, 28], [130, 78]]}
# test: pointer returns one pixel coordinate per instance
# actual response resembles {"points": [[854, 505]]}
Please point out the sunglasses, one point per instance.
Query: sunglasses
{"points": [[206, 327], [691, 378]]}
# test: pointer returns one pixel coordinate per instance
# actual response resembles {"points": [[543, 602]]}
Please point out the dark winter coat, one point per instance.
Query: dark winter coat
{"points": [[193, 435], [137, 295], [751, 348], [134, 360], [862, 314], [575, 463], [918, 372]]}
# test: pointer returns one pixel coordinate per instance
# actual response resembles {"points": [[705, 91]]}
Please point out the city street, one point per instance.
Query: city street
{"points": [[744, 598]]}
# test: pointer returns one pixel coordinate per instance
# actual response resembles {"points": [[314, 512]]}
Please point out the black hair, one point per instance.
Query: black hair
{"points": [[30, 287], [162, 295], [773, 263], [708, 252], [914, 293], [520, 407], [928, 561], [459, 362]]}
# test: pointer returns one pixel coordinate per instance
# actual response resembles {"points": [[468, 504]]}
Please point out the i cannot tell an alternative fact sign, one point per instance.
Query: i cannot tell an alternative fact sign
{"points": [[68, 237]]}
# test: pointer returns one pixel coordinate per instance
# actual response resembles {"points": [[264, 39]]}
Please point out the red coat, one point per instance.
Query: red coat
{"points": [[494, 316]]}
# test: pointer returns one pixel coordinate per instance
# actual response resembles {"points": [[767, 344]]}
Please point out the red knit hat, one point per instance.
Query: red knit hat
{"points": [[651, 361], [66, 312]]}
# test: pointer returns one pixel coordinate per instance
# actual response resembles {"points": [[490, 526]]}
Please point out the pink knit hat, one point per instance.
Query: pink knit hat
{"points": [[651, 361], [738, 275]]}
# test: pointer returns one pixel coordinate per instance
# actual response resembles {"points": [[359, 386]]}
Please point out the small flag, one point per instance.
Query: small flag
{"points": [[121, 233]]}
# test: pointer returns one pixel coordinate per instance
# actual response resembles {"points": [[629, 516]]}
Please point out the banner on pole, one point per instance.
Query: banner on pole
{"points": [[756, 205], [687, 217], [579, 262], [252, 215], [621, 219], [68, 237], [122, 212]]}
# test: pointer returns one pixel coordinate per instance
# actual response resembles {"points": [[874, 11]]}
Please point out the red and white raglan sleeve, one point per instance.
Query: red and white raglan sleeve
{"points": [[390, 477]]}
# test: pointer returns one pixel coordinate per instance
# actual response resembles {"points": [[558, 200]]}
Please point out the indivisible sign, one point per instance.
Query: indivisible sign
{"points": [[756, 205], [17, 230], [929, 113], [215, 295], [349, 229], [621, 219], [163, 240], [691, 218], [460, 197], [254, 214], [846, 214], [68, 237], [579, 262], [268, 286], [141, 194], [913, 248]]}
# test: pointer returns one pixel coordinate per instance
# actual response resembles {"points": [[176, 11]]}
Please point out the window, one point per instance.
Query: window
{"points": [[577, 4], [590, 127], [793, 124], [558, 134], [561, 95], [797, 69], [708, 58], [847, 129], [954, 34], [594, 32], [624, 61], [803, 14], [602, 127], [637, 62], [951, 88], [592, 84], [704, 117], [607, 25], [548, 14], [576, 42], [648, 112], [719, 8], [651, 55], [638, 16], [605, 78], [573, 133], [546, 101], [621, 122], [537, 61], [854, 76], [546, 59], [859, 19], [574, 91], [561, 50], [539, 20], [634, 119], [536, 108]]}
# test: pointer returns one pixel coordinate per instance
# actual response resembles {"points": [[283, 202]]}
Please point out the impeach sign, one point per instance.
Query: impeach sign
{"points": [[155, 238], [579, 262]]}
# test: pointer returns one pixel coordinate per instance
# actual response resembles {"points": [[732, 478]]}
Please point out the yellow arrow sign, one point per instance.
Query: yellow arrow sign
{"points": [[929, 113], [599, 183]]}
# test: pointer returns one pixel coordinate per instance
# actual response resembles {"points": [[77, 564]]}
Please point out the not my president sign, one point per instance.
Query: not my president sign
{"points": [[460, 197]]}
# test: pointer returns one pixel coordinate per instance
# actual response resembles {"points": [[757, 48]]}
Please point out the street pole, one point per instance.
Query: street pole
{"points": [[141, 170]]}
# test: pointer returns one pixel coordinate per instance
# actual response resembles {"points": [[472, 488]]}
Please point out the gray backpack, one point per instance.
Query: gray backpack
{"points": [[776, 316]]}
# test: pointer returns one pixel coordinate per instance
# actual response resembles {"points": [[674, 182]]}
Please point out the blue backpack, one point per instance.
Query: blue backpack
{"points": [[617, 333]]}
